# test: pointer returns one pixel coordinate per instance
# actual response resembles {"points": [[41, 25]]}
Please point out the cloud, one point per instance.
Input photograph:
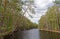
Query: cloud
{"points": [[41, 8]]}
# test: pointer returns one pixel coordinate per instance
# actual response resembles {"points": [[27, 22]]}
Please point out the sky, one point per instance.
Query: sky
{"points": [[41, 8]]}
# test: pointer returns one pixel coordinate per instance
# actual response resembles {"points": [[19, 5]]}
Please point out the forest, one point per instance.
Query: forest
{"points": [[12, 18], [51, 20]]}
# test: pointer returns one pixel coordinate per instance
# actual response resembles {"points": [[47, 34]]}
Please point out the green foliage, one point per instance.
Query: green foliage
{"points": [[11, 18], [24, 24], [42, 23], [51, 20], [29, 7], [57, 1], [9, 10]]}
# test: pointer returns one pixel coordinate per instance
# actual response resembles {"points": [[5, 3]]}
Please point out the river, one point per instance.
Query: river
{"points": [[31, 34], [35, 34], [49, 35]]}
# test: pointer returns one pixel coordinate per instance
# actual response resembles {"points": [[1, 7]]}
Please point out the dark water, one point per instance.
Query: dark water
{"points": [[34, 34], [26, 34], [49, 35]]}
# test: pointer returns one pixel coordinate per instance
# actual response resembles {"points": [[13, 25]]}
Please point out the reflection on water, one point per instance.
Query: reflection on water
{"points": [[26, 34], [49, 35], [30, 34], [34, 34]]}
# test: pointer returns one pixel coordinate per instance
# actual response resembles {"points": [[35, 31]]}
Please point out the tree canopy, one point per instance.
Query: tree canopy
{"points": [[57, 1], [11, 17], [25, 24], [9, 9], [51, 20]]}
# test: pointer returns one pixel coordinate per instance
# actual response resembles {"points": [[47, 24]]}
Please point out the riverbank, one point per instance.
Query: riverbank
{"points": [[50, 30]]}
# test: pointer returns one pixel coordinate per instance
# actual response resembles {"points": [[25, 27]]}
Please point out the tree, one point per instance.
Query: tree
{"points": [[22, 24], [28, 7], [52, 18], [57, 1], [25, 24], [9, 10], [42, 22], [11, 16]]}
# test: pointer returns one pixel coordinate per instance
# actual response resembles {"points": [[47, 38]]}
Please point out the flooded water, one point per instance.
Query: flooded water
{"points": [[49, 35]]}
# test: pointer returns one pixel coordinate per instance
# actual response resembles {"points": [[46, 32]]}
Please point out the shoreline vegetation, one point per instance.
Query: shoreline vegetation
{"points": [[50, 30]]}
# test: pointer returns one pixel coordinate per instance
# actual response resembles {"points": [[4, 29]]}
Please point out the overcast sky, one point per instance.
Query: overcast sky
{"points": [[41, 8]]}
